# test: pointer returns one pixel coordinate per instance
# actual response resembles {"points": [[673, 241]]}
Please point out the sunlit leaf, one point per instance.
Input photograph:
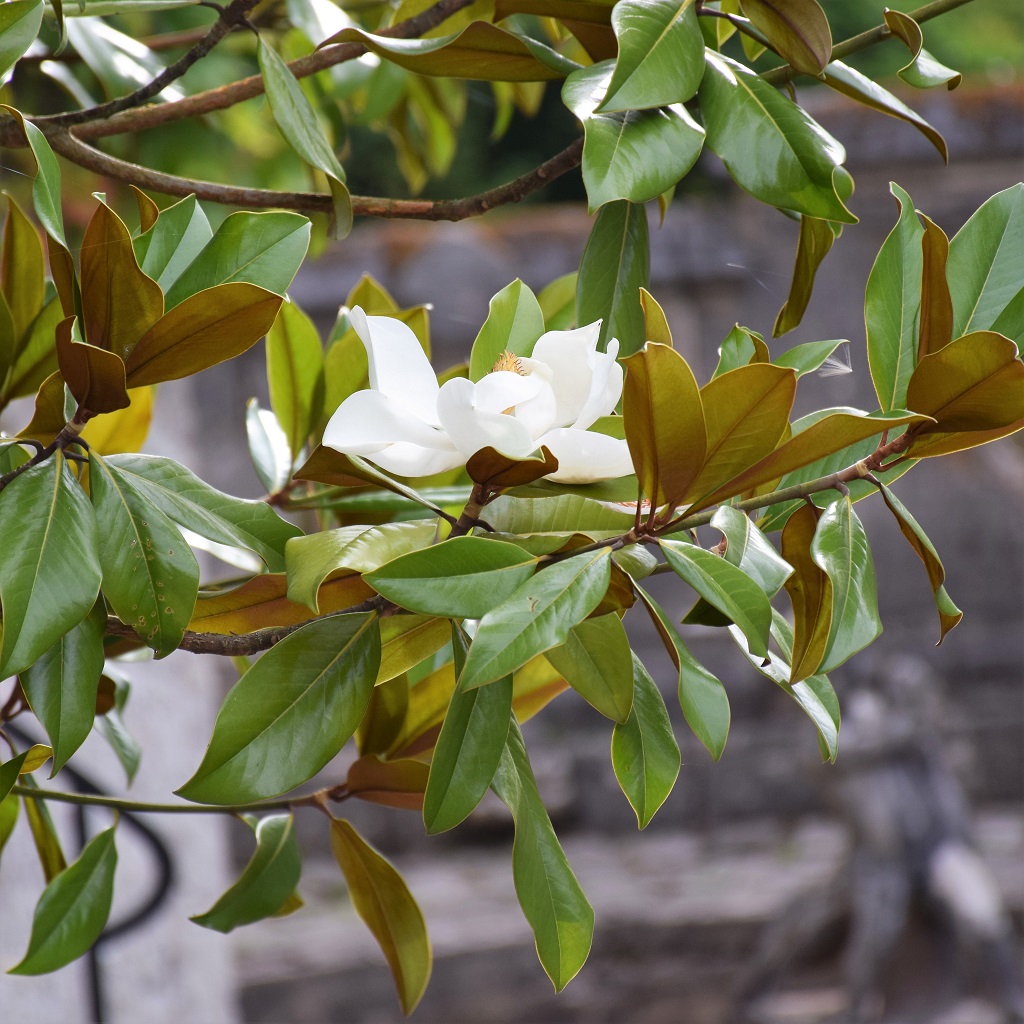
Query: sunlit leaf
{"points": [[923, 71], [295, 374], [810, 591], [813, 244], [595, 662], [514, 323], [166, 249], [19, 26]]}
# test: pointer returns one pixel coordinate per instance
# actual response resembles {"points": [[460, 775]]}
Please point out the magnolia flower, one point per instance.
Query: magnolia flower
{"points": [[410, 426]]}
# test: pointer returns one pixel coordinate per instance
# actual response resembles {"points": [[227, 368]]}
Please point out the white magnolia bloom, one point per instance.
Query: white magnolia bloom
{"points": [[410, 426]]}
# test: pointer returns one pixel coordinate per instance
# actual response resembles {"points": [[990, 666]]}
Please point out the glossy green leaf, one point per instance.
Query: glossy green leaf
{"points": [[173, 242], [480, 51], [119, 302], [310, 560], [19, 26], [264, 249], [268, 447], [564, 514], [46, 194], [769, 145], [840, 547], [726, 587], [514, 323], [851, 82], [974, 383], [595, 661], [469, 747], [463, 578], [205, 329], [295, 374], [537, 616], [949, 614], [558, 303], [645, 754], [383, 901], [290, 713], [750, 550], [120, 62], [664, 420], [552, 900], [746, 412], [985, 257], [72, 910], [812, 355], [23, 272], [9, 773], [150, 576], [923, 71], [813, 244], [50, 578], [635, 155], [702, 697], [266, 882], [810, 592], [61, 686], [796, 29], [299, 124], [830, 434], [198, 507], [660, 55], [740, 347], [614, 267]]}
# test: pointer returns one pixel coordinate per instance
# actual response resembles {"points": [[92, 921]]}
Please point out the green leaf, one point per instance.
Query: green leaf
{"points": [[23, 273], [383, 901], [810, 356], [562, 515], [558, 303], [9, 807], [295, 374], [112, 728], [552, 900], [645, 754], [514, 323], [268, 447], [813, 244], [37, 358], [150, 576], [264, 249], [191, 503], [267, 881], [850, 82], [50, 578], [310, 560], [9, 773], [173, 242], [949, 614], [636, 155], [769, 145], [464, 577], [72, 910], [61, 686], [660, 55], [985, 257], [290, 713], [614, 267], [840, 547], [537, 616], [468, 748], [44, 835], [750, 550], [702, 697], [46, 194], [726, 587], [298, 123], [19, 26], [595, 661], [796, 29], [923, 71]]}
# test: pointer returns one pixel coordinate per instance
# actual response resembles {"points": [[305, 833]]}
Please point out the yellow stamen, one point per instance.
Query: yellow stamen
{"points": [[511, 362]]}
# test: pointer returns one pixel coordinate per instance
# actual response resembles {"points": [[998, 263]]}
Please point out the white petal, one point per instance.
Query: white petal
{"points": [[501, 390], [538, 414], [585, 457], [471, 429], [368, 422], [605, 387], [570, 356], [411, 460], [399, 367]]}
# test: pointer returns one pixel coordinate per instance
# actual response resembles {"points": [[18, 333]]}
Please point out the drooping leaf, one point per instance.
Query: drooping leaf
{"points": [[198, 507], [72, 910], [150, 576], [514, 323], [295, 374], [810, 591], [537, 616], [750, 550], [266, 882], [44, 835], [399, 783], [936, 328], [290, 713], [49, 579], [469, 747], [112, 728], [923, 71], [813, 244], [614, 267], [796, 29], [595, 662], [552, 900], [167, 248], [46, 189], [22, 273], [385, 716], [645, 754], [635, 155], [464, 577], [769, 145], [61, 686], [383, 901]]}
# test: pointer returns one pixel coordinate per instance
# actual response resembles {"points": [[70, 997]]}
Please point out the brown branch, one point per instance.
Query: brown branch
{"points": [[230, 18], [72, 148]]}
